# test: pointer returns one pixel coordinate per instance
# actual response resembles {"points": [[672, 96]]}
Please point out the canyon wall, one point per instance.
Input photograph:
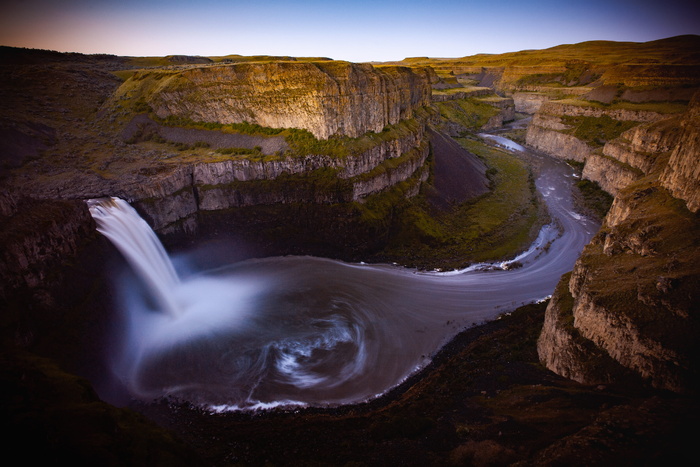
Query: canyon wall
{"points": [[37, 237], [682, 173], [170, 195], [326, 97], [631, 307], [375, 112], [171, 200], [529, 102], [551, 132], [634, 154]]}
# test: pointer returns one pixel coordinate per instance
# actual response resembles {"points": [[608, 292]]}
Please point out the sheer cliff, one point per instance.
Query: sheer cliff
{"points": [[327, 97], [351, 140], [682, 173], [630, 307], [37, 238], [339, 132], [573, 129]]}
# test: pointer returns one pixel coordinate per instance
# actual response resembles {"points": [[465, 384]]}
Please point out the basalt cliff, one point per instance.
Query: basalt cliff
{"points": [[326, 98], [626, 115], [213, 149], [630, 307]]}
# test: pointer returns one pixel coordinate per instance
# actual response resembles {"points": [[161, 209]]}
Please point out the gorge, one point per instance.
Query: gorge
{"points": [[306, 331], [357, 162]]}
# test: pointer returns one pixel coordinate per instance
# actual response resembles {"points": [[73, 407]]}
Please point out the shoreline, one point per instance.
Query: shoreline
{"points": [[468, 399]]}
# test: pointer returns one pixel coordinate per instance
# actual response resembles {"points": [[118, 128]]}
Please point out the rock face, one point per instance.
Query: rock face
{"points": [[609, 173], [529, 102], [272, 186], [36, 237], [641, 146], [378, 105], [327, 98], [549, 132], [630, 307], [171, 196], [545, 134], [506, 113], [683, 170], [635, 154]]}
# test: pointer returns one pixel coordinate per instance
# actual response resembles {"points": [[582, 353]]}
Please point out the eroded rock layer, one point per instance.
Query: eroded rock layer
{"points": [[682, 174], [327, 98], [552, 129], [631, 304]]}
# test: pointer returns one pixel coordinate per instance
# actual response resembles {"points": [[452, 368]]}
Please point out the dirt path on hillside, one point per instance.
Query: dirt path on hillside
{"points": [[142, 125]]}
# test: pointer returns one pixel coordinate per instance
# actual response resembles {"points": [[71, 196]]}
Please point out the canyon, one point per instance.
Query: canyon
{"points": [[300, 155]]}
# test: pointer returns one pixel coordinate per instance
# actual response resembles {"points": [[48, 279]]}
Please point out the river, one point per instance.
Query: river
{"points": [[307, 331]]}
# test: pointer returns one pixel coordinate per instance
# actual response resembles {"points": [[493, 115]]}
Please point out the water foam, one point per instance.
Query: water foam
{"points": [[304, 331]]}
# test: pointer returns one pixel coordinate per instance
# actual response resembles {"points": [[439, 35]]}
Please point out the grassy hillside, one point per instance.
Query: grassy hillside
{"points": [[672, 62]]}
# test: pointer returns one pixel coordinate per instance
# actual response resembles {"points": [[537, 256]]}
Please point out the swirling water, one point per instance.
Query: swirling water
{"points": [[312, 331]]}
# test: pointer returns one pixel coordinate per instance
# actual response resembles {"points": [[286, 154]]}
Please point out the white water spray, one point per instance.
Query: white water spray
{"points": [[135, 239], [187, 311], [309, 331]]}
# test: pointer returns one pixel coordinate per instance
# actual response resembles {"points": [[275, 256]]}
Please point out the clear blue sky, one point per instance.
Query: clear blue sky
{"points": [[355, 30]]}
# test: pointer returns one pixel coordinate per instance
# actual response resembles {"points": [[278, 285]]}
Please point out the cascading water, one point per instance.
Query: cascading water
{"points": [[311, 331], [135, 239]]}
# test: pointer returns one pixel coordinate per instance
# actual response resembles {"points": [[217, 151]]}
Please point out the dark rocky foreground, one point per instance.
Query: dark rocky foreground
{"points": [[485, 400]]}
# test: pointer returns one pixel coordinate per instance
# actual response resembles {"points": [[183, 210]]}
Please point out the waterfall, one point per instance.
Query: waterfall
{"points": [[135, 239], [298, 330]]}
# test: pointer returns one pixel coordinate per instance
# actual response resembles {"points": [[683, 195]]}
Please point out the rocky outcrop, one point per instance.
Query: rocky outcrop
{"points": [[170, 199], [545, 134], [634, 298], [565, 351], [506, 112], [327, 97], [630, 306], [172, 170], [550, 133], [641, 146], [609, 173], [529, 102], [622, 160], [580, 109], [37, 238], [682, 174], [170, 190], [636, 153], [319, 186]]}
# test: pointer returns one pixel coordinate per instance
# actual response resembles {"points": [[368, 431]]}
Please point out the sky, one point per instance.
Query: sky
{"points": [[353, 30]]}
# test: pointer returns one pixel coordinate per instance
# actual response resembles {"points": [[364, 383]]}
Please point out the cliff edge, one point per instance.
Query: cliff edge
{"points": [[326, 98], [630, 309]]}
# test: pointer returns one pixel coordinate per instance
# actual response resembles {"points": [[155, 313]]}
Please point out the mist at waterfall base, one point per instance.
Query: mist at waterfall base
{"points": [[306, 331]]}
